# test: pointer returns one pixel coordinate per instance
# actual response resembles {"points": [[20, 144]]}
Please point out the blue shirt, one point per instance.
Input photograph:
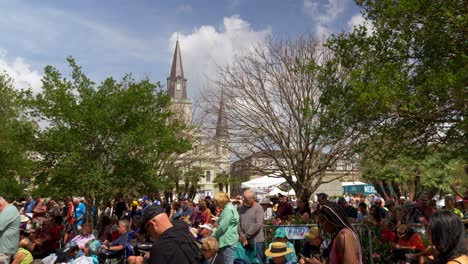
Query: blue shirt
{"points": [[80, 210]]}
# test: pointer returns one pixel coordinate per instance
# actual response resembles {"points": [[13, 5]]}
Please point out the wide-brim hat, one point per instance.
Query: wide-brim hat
{"points": [[24, 218], [402, 230], [265, 201], [313, 232], [277, 249]]}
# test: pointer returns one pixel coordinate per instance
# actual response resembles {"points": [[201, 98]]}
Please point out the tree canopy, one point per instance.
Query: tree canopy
{"points": [[100, 140], [16, 134], [408, 74]]}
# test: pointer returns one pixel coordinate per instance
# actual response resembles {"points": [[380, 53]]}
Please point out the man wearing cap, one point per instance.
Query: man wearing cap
{"points": [[250, 226], [146, 202], [173, 245], [9, 230], [285, 209], [311, 246]]}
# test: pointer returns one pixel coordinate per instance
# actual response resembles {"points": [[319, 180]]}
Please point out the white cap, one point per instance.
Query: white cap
{"points": [[207, 226]]}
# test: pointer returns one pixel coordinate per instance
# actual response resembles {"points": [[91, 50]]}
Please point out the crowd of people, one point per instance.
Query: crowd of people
{"points": [[224, 230]]}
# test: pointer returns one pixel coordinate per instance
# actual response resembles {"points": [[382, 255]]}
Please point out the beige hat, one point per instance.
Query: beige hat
{"points": [[24, 219]]}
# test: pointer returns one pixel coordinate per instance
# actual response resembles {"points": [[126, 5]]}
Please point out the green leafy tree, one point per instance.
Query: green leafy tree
{"points": [[103, 139], [16, 140], [434, 173], [408, 76]]}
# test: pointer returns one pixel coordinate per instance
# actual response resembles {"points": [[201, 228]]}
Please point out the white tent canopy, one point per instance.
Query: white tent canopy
{"points": [[276, 191], [266, 181]]}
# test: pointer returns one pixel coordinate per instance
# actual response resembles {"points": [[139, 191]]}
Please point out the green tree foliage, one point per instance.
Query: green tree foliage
{"points": [[434, 173], [407, 78], [16, 134], [100, 140]]}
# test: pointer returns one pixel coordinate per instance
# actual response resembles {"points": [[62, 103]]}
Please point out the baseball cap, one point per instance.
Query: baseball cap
{"points": [[150, 212], [280, 233], [312, 233]]}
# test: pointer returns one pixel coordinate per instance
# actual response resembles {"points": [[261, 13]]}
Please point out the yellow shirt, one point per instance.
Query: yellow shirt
{"points": [[28, 258]]}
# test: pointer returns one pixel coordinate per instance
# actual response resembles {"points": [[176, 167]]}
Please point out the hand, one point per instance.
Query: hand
{"points": [[315, 261]]}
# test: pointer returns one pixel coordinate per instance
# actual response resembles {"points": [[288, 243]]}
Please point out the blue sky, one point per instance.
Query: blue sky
{"points": [[114, 37]]}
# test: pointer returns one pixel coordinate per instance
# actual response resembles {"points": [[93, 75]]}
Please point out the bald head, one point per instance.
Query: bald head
{"points": [[158, 225], [249, 198], [249, 194]]}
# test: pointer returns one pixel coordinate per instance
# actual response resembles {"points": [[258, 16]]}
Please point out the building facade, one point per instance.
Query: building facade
{"points": [[210, 153]]}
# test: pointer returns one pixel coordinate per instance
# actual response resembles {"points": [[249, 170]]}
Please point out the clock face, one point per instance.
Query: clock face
{"points": [[178, 86]]}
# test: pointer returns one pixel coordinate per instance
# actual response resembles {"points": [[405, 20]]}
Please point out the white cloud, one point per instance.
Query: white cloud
{"points": [[21, 72], [184, 9], [324, 15], [206, 48], [358, 20]]}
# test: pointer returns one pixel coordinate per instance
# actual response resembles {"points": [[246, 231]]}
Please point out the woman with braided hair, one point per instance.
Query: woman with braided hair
{"points": [[345, 247]]}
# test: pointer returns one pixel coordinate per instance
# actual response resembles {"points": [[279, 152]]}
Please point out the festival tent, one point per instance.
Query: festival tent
{"points": [[357, 187], [266, 181], [276, 191]]}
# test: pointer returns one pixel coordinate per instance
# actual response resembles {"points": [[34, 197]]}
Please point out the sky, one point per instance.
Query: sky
{"points": [[111, 38]]}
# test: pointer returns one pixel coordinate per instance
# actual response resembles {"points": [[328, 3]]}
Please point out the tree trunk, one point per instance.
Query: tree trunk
{"points": [[378, 187], [396, 188], [388, 192], [432, 192]]}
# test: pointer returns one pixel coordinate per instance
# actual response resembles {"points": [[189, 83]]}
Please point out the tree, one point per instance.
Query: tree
{"points": [[16, 138], [435, 173], [275, 106], [102, 140], [408, 75]]}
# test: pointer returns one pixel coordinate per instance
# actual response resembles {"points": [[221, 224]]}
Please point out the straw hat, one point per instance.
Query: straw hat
{"points": [[313, 232], [402, 230], [277, 249]]}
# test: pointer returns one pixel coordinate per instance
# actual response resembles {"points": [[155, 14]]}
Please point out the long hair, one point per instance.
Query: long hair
{"points": [[447, 235], [335, 215]]}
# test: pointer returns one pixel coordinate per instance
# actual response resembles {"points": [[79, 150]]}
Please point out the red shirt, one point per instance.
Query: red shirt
{"points": [[413, 241]]}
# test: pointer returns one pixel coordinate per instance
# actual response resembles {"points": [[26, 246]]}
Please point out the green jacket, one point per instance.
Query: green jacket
{"points": [[226, 232]]}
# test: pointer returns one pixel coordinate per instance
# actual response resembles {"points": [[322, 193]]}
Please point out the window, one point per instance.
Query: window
{"points": [[178, 86], [208, 176]]}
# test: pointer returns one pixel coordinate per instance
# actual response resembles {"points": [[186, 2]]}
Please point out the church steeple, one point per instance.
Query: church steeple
{"points": [[176, 83], [221, 127]]}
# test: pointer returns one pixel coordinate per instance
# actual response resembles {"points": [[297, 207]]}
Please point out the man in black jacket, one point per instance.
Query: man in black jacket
{"points": [[174, 243]]}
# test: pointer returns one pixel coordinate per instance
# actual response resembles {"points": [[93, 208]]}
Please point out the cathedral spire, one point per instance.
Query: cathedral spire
{"points": [[221, 127], [176, 83]]}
